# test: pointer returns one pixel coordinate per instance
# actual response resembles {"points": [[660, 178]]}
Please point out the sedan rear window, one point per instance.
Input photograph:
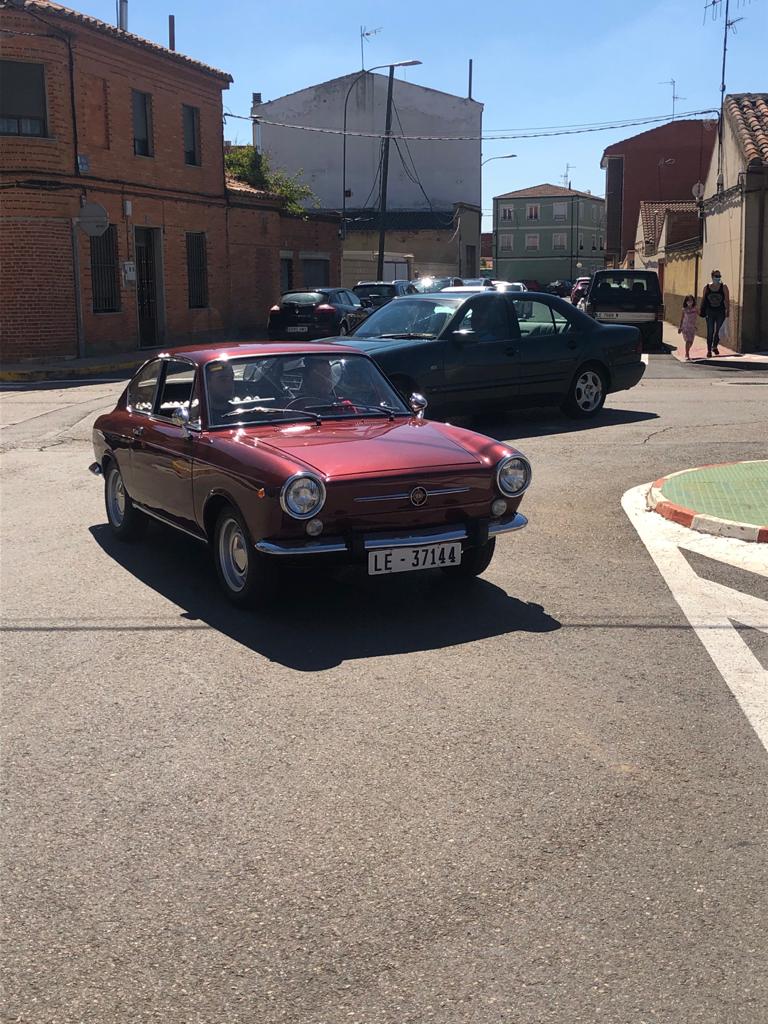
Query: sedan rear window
{"points": [[367, 291], [619, 285], [304, 298]]}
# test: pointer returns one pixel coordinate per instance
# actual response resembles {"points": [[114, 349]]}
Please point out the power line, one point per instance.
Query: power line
{"points": [[526, 134]]}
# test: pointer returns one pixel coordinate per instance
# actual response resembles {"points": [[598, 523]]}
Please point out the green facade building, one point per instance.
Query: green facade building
{"points": [[547, 233]]}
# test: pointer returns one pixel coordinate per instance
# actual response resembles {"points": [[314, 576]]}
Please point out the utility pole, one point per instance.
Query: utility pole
{"points": [[384, 176]]}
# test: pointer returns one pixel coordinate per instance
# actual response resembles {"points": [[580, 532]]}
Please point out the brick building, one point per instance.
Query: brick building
{"points": [[91, 114], [661, 164]]}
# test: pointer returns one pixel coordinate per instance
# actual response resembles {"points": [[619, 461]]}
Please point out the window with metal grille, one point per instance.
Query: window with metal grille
{"points": [[104, 272], [142, 124], [22, 98], [197, 270], [191, 120]]}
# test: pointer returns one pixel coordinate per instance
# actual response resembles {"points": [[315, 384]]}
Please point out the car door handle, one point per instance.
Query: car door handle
{"points": [[137, 431], [572, 344]]}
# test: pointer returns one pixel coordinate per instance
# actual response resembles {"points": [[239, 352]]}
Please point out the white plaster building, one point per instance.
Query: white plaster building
{"points": [[448, 172]]}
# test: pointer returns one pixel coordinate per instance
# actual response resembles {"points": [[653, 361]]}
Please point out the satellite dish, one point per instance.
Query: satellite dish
{"points": [[93, 219], [698, 190]]}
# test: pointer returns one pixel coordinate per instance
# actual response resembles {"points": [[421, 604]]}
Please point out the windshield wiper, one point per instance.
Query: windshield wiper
{"points": [[405, 334], [271, 408], [354, 406]]}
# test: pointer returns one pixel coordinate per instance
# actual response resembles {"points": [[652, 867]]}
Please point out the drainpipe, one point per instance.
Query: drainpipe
{"points": [[760, 252], [76, 283]]}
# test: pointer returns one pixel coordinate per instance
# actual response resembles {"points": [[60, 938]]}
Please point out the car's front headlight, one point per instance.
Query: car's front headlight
{"points": [[513, 475], [302, 496]]}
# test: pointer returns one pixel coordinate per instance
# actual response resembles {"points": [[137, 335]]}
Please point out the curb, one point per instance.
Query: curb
{"points": [[656, 502], [68, 372]]}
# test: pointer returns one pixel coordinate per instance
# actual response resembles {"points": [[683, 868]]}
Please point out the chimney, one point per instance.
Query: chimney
{"points": [[171, 32], [122, 15]]}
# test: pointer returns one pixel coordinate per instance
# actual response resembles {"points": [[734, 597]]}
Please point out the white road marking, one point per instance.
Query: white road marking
{"points": [[710, 607]]}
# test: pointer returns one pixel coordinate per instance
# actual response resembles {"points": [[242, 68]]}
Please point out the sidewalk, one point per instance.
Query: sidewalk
{"points": [[727, 357], [730, 500], [120, 365]]}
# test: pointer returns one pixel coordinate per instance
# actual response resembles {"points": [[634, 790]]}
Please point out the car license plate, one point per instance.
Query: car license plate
{"points": [[427, 556], [296, 330], [604, 316]]}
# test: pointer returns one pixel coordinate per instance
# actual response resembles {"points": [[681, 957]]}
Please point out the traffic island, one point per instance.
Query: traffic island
{"points": [[730, 500]]}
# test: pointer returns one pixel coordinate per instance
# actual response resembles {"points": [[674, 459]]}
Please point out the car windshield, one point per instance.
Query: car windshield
{"points": [[409, 318], [291, 387]]}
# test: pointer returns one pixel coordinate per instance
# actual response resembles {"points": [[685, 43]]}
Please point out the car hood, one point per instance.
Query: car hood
{"points": [[375, 346], [337, 449]]}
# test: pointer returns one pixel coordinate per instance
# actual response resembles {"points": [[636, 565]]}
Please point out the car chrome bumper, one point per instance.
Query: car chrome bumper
{"points": [[377, 541]]}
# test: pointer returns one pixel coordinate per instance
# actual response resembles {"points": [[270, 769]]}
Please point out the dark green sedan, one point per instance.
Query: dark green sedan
{"points": [[476, 352]]}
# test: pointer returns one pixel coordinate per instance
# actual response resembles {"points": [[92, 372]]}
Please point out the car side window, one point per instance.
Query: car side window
{"points": [[485, 320], [535, 318], [176, 389], [143, 387]]}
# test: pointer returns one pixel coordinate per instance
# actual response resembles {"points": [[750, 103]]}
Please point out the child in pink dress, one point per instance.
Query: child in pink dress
{"points": [[687, 326]]}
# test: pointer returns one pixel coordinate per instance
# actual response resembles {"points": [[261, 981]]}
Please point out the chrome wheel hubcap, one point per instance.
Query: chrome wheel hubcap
{"points": [[588, 391], [116, 498], [233, 555]]}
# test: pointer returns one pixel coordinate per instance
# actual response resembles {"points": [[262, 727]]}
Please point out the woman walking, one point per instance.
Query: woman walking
{"points": [[714, 308], [688, 318]]}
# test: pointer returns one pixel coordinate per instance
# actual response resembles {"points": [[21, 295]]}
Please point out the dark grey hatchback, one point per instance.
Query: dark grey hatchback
{"points": [[471, 353]]}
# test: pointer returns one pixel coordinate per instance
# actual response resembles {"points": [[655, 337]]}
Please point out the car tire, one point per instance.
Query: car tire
{"points": [[244, 575], [587, 392], [473, 562], [125, 520]]}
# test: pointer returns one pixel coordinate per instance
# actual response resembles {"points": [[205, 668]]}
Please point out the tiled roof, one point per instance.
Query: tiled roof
{"points": [[748, 114], [546, 192], [233, 185], [653, 214], [47, 7]]}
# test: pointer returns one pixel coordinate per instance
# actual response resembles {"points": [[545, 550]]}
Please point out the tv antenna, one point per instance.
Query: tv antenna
{"points": [[566, 177], [675, 96], [365, 34]]}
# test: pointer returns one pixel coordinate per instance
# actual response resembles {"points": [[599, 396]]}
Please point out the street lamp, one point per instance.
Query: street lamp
{"points": [[367, 71], [507, 156]]}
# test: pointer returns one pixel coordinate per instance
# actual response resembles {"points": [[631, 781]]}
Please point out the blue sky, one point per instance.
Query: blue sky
{"points": [[535, 65]]}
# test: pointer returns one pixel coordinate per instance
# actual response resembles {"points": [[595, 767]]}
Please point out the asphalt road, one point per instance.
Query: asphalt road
{"points": [[387, 801]]}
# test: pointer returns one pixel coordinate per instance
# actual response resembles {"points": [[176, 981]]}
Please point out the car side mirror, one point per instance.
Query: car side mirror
{"points": [[180, 417], [366, 303], [463, 336], [418, 404]]}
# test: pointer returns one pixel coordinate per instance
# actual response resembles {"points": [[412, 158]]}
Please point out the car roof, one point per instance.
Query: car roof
{"points": [[237, 350], [365, 283]]}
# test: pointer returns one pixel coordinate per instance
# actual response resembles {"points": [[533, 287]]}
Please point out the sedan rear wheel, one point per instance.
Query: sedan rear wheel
{"points": [[587, 394], [125, 520], [244, 574]]}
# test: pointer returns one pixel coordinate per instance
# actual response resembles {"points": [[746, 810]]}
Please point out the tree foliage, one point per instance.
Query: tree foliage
{"points": [[244, 163]]}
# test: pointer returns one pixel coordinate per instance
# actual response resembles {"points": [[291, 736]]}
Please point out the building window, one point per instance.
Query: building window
{"points": [[142, 124], [560, 213], [105, 280], [531, 241], [286, 274], [197, 270], [532, 211], [22, 98], [506, 239], [191, 119], [559, 241], [507, 213], [581, 241]]}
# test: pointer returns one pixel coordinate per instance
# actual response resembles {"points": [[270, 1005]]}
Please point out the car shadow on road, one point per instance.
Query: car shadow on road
{"points": [[322, 618], [541, 422]]}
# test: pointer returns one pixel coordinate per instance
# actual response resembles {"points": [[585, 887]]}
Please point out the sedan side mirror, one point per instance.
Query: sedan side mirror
{"points": [[463, 336], [418, 404], [180, 417]]}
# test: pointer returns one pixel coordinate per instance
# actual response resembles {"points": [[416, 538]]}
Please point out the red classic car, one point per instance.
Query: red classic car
{"points": [[278, 452]]}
